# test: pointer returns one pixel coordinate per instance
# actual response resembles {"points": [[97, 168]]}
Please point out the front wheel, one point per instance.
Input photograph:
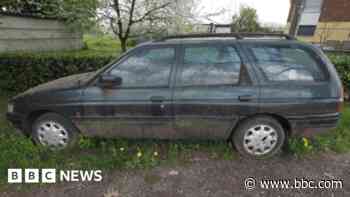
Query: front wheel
{"points": [[259, 137], [53, 131]]}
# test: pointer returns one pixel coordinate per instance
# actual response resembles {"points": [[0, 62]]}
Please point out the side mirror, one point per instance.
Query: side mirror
{"points": [[110, 81]]}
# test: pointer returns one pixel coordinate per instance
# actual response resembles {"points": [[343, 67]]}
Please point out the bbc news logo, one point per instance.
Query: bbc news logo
{"points": [[52, 176]]}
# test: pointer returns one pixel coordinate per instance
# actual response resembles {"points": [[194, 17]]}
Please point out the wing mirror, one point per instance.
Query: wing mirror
{"points": [[110, 81]]}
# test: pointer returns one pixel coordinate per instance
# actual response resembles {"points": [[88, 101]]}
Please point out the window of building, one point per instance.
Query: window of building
{"points": [[306, 30]]}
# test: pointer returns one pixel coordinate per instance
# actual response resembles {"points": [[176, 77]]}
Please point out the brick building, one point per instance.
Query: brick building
{"points": [[320, 21]]}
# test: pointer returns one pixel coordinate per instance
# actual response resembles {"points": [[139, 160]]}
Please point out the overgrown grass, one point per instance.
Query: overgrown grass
{"points": [[337, 140], [103, 45]]}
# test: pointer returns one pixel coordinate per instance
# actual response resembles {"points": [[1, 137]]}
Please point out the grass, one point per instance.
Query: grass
{"points": [[337, 140], [104, 45], [97, 46]]}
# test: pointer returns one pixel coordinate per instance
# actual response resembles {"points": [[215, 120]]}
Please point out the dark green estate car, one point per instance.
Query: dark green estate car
{"points": [[254, 89]]}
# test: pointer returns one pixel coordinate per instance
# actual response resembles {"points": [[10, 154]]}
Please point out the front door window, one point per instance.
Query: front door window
{"points": [[148, 68]]}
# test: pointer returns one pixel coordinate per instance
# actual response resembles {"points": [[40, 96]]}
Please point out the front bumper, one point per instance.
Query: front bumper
{"points": [[309, 126]]}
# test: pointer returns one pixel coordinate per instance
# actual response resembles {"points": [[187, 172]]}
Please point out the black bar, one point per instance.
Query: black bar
{"points": [[226, 35]]}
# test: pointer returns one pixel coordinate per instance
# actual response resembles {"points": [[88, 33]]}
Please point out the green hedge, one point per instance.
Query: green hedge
{"points": [[342, 64], [19, 72]]}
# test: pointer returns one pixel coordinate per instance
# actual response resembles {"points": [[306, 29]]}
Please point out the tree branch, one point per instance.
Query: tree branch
{"points": [[119, 19], [131, 15], [149, 12]]}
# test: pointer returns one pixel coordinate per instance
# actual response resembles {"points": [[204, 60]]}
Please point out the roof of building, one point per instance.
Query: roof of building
{"points": [[331, 10], [335, 10]]}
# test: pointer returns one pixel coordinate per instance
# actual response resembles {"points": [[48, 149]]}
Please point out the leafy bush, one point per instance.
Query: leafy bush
{"points": [[342, 64], [300, 146], [131, 42], [21, 71]]}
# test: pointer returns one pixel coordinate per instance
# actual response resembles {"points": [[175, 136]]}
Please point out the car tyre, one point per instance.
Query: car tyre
{"points": [[54, 131], [258, 138]]}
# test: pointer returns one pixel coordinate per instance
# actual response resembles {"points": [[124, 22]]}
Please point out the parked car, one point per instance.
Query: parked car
{"points": [[253, 89]]}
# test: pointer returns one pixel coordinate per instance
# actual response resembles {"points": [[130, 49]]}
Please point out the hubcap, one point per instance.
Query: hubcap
{"points": [[260, 139], [53, 135]]}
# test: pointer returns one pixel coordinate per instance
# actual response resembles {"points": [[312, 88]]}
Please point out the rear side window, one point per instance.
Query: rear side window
{"points": [[286, 63], [210, 65]]}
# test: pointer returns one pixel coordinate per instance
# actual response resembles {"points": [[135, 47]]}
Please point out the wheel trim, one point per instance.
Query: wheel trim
{"points": [[52, 134], [260, 140]]}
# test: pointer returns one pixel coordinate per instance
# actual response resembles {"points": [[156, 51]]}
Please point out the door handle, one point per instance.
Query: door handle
{"points": [[245, 98], [157, 99], [157, 105]]}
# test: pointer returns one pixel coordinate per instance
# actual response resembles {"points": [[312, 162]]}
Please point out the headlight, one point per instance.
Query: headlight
{"points": [[10, 107]]}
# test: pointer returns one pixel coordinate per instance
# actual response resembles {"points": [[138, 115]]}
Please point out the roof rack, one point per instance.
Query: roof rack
{"points": [[253, 35], [227, 35]]}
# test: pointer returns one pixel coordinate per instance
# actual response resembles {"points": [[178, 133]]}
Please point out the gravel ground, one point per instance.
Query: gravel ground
{"points": [[207, 177]]}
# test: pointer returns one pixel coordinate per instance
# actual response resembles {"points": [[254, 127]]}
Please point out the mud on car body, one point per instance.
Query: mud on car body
{"points": [[254, 89]]}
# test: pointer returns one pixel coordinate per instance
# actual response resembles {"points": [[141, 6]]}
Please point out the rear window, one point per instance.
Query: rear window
{"points": [[210, 65], [287, 63]]}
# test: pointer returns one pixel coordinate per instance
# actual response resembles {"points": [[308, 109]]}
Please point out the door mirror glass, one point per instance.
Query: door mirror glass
{"points": [[110, 81]]}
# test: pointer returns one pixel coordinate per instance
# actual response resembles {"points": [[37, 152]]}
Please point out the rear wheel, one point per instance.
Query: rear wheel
{"points": [[53, 131], [260, 137]]}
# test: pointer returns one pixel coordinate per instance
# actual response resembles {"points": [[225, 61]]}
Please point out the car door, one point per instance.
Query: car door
{"points": [[213, 90], [141, 106]]}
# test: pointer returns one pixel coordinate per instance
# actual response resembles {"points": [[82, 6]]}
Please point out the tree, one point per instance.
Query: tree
{"points": [[246, 21], [150, 18], [79, 14], [29, 7], [184, 14], [177, 19], [123, 15]]}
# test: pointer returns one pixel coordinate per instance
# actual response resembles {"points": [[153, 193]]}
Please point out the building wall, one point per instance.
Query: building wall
{"points": [[335, 10], [211, 28], [223, 30], [31, 34], [331, 18], [339, 31], [310, 15], [200, 28]]}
